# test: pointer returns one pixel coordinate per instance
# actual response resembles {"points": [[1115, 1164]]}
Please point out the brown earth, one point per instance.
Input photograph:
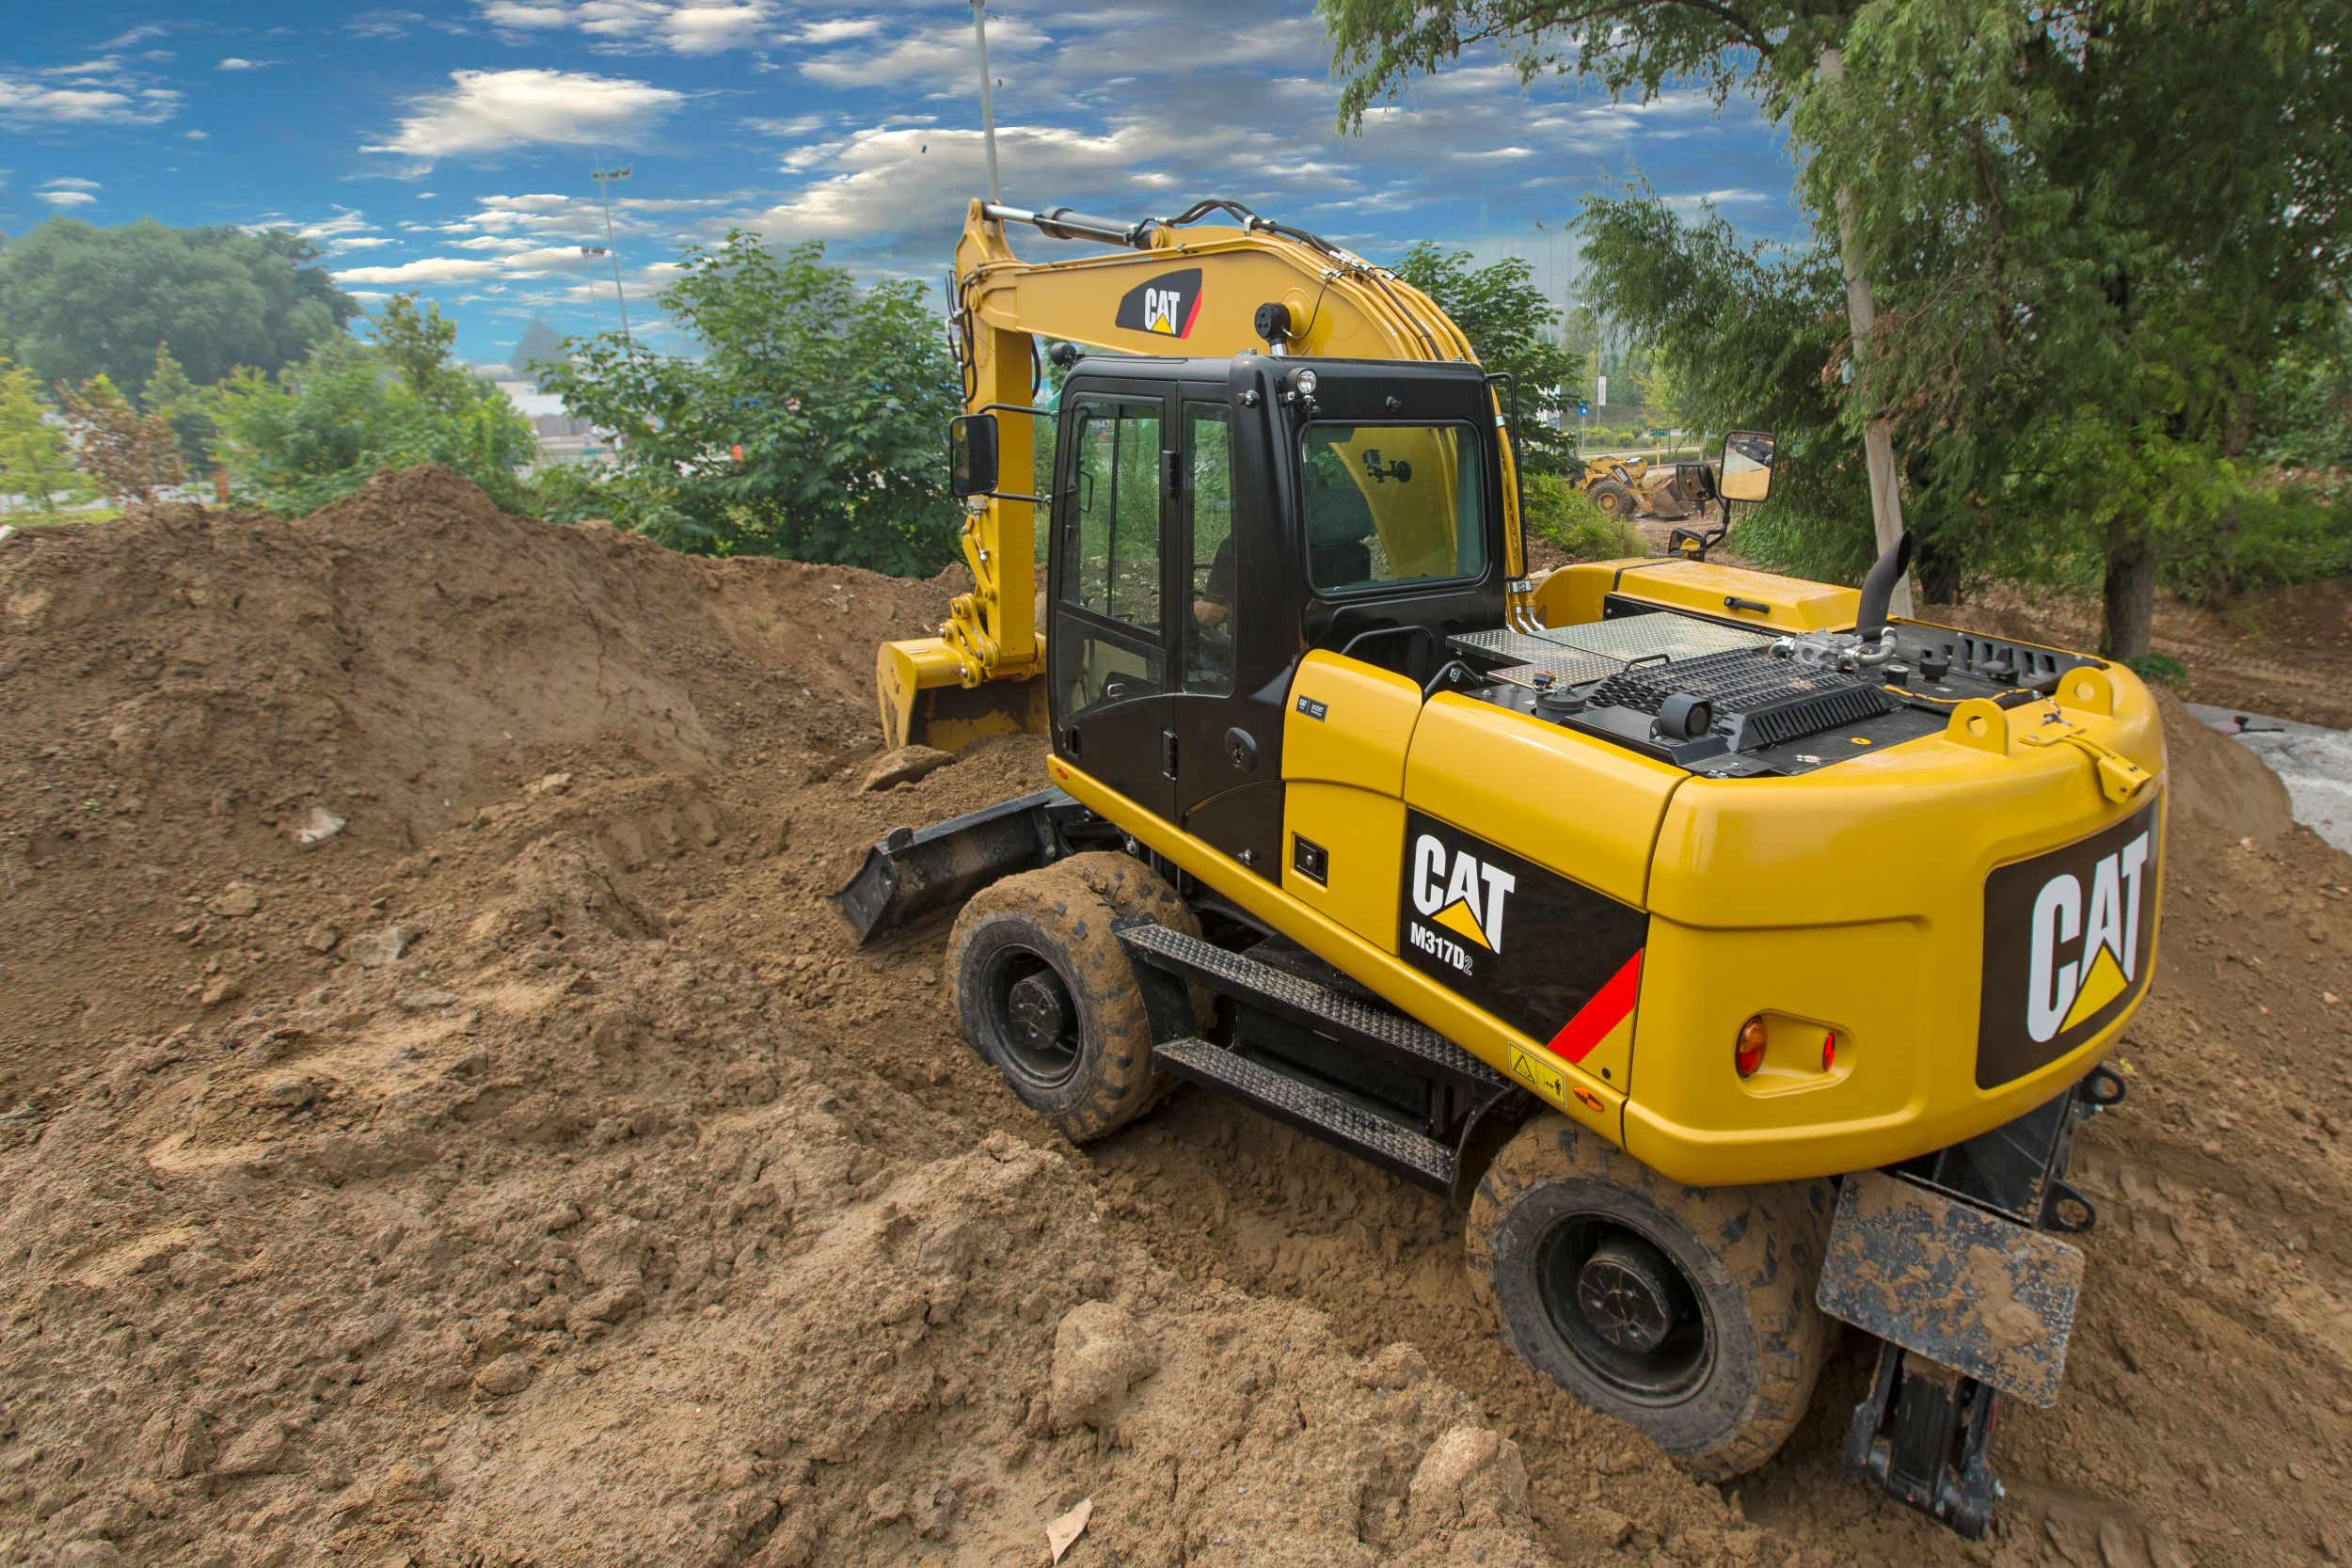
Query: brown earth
{"points": [[531, 1172]]}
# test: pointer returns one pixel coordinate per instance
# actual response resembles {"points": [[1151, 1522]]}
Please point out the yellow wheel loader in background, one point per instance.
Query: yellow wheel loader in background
{"points": [[1741, 957]]}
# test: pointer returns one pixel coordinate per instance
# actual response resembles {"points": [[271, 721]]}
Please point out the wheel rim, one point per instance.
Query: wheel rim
{"points": [[1624, 1308], [1034, 1018]]}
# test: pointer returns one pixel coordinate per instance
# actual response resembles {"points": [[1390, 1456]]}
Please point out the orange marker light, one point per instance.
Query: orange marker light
{"points": [[1747, 1053], [1829, 1053]]}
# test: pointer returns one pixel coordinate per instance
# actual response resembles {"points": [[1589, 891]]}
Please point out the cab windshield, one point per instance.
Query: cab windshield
{"points": [[1390, 504]]}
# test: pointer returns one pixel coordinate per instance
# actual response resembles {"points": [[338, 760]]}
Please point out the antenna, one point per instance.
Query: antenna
{"points": [[988, 111]]}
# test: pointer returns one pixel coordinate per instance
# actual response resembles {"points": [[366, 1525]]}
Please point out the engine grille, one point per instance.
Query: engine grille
{"points": [[1759, 701]]}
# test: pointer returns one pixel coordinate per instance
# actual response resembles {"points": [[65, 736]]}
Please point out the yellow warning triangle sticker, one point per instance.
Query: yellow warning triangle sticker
{"points": [[1458, 918], [2102, 985]]}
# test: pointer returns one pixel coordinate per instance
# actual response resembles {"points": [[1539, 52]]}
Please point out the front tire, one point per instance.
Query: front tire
{"points": [[1686, 1312], [1045, 993]]}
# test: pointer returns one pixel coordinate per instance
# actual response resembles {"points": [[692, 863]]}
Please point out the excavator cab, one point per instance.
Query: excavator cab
{"points": [[1212, 521]]}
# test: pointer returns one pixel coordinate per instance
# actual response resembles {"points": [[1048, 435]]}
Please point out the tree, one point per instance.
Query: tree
{"points": [[837, 400], [169, 393], [131, 454], [1512, 327], [77, 301], [36, 464], [319, 430], [2090, 226], [418, 345]]}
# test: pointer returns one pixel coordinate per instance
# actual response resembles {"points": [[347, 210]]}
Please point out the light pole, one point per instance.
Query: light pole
{"points": [[604, 178], [591, 251]]}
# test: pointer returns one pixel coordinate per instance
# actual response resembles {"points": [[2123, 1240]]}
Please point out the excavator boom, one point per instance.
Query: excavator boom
{"points": [[1176, 286]]}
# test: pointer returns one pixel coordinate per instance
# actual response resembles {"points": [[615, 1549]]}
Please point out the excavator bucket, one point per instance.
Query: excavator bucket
{"points": [[925, 701]]}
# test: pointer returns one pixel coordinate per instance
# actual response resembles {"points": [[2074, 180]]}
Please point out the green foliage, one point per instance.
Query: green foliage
{"points": [[2090, 228], [318, 431], [1512, 327], [77, 301], [838, 398], [1744, 329], [2285, 533], [128, 454], [170, 394], [35, 466], [1567, 517]]}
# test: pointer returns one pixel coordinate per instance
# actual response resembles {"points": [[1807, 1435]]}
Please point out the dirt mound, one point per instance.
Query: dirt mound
{"points": [[542, 1176], [189, 689]]}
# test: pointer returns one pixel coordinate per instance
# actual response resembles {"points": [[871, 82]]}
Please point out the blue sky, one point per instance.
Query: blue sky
{"points": [[446, 146]]}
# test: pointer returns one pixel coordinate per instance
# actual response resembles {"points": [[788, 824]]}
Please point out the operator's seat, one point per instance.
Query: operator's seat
{"points": [[1339, 523]]}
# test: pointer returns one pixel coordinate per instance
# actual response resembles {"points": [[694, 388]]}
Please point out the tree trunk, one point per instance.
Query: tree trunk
{"points": [[2131, 597]]}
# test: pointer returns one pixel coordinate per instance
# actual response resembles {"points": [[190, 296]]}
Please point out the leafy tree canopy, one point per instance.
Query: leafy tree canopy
{"points": [[2091, 227], [36, 464], [836, 399], [1512, 327], [77, 301], [318, 430]]}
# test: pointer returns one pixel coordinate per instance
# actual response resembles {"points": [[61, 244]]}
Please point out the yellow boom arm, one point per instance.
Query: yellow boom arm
{"points": [[980, 675]]}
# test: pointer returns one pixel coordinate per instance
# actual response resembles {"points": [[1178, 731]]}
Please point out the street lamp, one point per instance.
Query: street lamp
{"points": [[593, 314], [604, 178]]}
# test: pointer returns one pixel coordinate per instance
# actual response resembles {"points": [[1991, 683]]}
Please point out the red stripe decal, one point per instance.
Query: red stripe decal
{"points": [[1192, 315], [1610, 1006]]}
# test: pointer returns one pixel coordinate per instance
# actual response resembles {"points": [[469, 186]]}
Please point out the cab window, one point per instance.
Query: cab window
{"points": [[1391, 505]]}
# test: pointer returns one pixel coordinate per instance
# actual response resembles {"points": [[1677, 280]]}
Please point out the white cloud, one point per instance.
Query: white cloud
{"points": [[680, 26], [65, 198], [26, 103], [430, 269], [495, 110]]}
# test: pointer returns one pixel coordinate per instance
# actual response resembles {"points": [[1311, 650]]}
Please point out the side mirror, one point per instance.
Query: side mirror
{"points": [[1746, 470], [971, 455]]}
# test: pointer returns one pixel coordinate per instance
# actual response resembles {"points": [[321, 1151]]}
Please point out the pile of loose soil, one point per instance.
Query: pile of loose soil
{"points": [[532, 1171]]}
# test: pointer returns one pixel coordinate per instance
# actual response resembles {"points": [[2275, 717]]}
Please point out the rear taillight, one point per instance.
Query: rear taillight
{"points": [[1747, 1053]]}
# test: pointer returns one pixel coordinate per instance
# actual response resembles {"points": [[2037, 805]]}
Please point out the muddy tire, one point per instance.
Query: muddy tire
{"points": [[1045, 994], [1613, 496], [1686, 1312]]}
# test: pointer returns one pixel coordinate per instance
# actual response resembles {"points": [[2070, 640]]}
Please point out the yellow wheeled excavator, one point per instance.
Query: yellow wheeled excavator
{"points": [[1741, 957]]}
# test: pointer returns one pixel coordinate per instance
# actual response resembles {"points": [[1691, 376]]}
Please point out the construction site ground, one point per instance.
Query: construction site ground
{"points": [[528, 1170]]}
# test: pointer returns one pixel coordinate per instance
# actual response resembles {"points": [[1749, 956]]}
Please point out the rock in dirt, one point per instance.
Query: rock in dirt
{"points": [[904, 765], [259, 1450], [236, 900], [1100, 1352], [1470, 1476], [509, 1374], [317, 828], [377, 948]]}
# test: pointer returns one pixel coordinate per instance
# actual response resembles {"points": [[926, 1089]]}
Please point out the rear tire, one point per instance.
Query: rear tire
{"points": [[1613, 496], [1044, 991], [1684, 1312]]}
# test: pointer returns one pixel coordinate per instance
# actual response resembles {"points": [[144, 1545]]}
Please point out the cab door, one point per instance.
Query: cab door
{"points": [[1116, 588]]}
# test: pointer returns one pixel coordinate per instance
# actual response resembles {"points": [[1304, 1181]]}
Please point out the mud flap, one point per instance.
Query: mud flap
{"points": [[912, 873], [1970, 1289]]}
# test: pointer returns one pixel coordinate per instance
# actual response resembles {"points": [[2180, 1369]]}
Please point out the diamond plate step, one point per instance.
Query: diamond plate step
{"points": [[1318, 1112], [1311, 1004]]}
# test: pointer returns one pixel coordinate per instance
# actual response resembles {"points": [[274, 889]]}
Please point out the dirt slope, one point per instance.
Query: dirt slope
{"points": [[549, 1180]]}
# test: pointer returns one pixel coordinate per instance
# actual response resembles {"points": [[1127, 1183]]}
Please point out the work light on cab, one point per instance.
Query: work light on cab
{"points": [[1747, 1053]]}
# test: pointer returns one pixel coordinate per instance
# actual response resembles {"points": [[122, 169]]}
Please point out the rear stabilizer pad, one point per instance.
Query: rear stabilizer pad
{"points": [[1984, 1294]]}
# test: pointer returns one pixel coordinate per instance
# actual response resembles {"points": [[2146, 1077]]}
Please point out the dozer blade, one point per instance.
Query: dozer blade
{"points": [[925, 701], [910, 874]]}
